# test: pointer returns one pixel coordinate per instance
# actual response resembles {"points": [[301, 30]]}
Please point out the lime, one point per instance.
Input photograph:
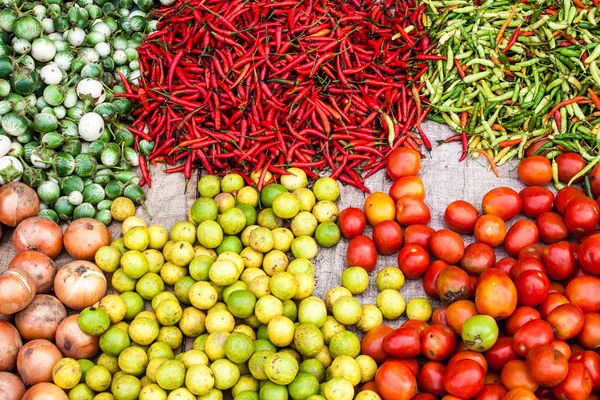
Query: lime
{"points": [[368, 368], [199, 267], [183, 231], [312, 310], [295, 179], [391, 303], [210, 234], [280, 331], [290, 310], [133, 360], [301, 266], [335, 293], [233, 220], [347, 310], [304, 247], [339, 389], [204, 209], [232, 183], [126, 387], [114, 341], [272, 391], [275, 261], [304, 223], [137, 238], [281, 368], [239, 347], [286, 205], [249, 212], [252, 258], [159, 235], [306, 197], [230, 243], [313, 367], [122, 208], [223, 272], [199, 379], [283, 285], [229, 290], [107, 258], [247, 195], [182, 253], [269, 192], [355, 279], [282, 238], [419, 309], [209, 186], [93, 321], [226, 373], [268, 219], [389, 278], [261, 239], [306, 286], [134, 264], [327, 234], [225, 201], [330, 328], [371, 318], [241, 303], [155, 260], [344, 343], [325, 211], [326, 189], [308, 340], [303, 385], [170, 375], [168, 312]]}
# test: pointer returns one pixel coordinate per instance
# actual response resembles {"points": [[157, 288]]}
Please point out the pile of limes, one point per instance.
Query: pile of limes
{"points": [[242, 280]]}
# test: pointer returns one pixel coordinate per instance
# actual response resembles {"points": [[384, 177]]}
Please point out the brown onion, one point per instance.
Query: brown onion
{"points": [[10, 344], [17, 289], [40, 267], [79, 284], [84, 237], [45, 391], [75, 343], [36, 360], [38, 234], [41, 318], [17, 202], [7, 317], [11, 386]]}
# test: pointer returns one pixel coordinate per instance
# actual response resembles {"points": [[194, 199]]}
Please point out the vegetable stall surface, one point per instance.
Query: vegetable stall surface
{"points": [[258, 87], [61, 67], [513, 76]]}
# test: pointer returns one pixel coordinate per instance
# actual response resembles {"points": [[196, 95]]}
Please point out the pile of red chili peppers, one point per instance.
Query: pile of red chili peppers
{"points": [[252, 86]]}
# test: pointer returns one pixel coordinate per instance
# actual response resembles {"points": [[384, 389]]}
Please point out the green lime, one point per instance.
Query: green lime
{"points": [[355, 279], [134, 264], [313, 367], [303, 386], [134, 304], [233, 220], [294, 180], [137, 238], [209, 186], [226, 373], [249, 212], [204, 209], [327, 234], [304, 247], [390, 278], [107, 258], [149, 285], [241, 303], [344, 343], [286, 205], [269, 192], [347, 310], [114, 341], [308, 340], [230, 243], [239, 347], [247, 195], [283, 285], [281, 368], [183, 231], [326, 189], [210, 234], [304, 224], [272, 391], [223, 272], [306, 197], [199, 267], [232, 183], [261, 239], [268, 219], [93, 321]]}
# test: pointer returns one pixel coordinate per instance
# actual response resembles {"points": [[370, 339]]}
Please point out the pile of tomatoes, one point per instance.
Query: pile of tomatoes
{"points": [[526, 326]]}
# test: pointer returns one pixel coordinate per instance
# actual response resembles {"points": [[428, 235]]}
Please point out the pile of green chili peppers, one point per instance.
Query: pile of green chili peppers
{"points": [[528, 70]]}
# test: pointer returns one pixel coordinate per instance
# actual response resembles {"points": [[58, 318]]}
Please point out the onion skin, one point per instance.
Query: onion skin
{"points": [[36, 360], [11, 387], [17, 289], [10, 344], [39, 266], [75, 343], [84, 237], [79, 284], [41, 318], [17, 203], [45, 391], [38, 234]]}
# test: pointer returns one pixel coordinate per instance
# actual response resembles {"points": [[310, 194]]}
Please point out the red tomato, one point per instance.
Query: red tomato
{"points": [[564, 197], [559, 261], [520, 317], [424, 396], [431, 276], [458, 312], [395, 381], [418, 234], [490, 229], [408, 186], [547, 366], [404, 342], [589, 336], [460, 216], [563, 347], [569, 164], [500, 353], [577, 385], [413, 261], [447, 245], [502, 202], [411, 363], [582, 215], [506, 264], [352, 222], [420, 326], [453, 284], [556, 287], [535, 171], [533, 333], [464, 378], [492, 391], [403, 162], [589, 254], [526, 264], [522, 234], [583, 292], [387, 236], [533, 148], [532, 251], [430, 378], [439, 315], [536, 200], [566, 320], [478, 257], [410, 211], [532, 287], [361, 253], [372, 343], [471, 355], [552, 301], [496, 294], [551, 227], [438, 342], [520, 393], [514, 375], [591, 361], [594, 176]]}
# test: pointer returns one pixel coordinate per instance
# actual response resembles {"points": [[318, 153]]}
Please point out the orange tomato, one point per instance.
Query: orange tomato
{"points": [[379, 207], [408, 186], [403, 162], [490, 229]]}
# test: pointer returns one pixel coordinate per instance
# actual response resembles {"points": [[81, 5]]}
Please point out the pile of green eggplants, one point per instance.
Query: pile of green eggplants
{"points": [[62, 130]]}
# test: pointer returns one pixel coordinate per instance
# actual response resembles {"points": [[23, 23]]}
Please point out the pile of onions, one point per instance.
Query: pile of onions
{"points": [[36, 360], [79, 284], [75, 343], [41, 318], [11, 387], [84, 237], [17, 289], [17, 203], [10, 344], [45, 391], [39, 234], [39, 266]]}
